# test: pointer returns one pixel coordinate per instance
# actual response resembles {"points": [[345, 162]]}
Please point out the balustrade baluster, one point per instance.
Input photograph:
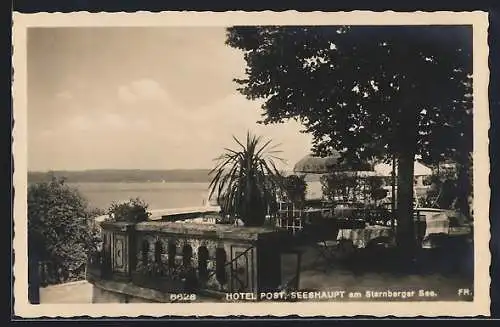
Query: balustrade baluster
{"points": [[172, 249], [144, 253], [202, 262], [220, 265]]}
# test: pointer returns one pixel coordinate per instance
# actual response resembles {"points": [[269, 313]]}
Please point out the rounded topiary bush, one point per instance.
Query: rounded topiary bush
{"points": [[133, 211]]}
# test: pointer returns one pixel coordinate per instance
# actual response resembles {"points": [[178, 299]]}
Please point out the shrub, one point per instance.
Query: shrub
{"points": [[352, 187], [134, 211], [295, 189], [60, 230]]}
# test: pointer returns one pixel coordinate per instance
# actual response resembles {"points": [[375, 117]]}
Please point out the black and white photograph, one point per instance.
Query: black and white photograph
{"points": [[327, 164]]}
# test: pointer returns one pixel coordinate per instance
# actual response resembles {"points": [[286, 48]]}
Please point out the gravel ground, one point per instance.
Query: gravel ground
{"points": [[77, 292], [446, 286]]}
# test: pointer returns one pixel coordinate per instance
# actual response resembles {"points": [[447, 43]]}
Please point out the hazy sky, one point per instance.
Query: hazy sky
{"points": [[148, 98]]}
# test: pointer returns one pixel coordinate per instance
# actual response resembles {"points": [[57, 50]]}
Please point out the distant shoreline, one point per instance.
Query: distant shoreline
{"points": [[125, 176], [124, 182]]}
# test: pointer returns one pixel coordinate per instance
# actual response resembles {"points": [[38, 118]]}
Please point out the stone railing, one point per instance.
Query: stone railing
{"points": [[175, 257]]}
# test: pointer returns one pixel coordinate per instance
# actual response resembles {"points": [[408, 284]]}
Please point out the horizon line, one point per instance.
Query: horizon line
{"points": [[118, 169]]}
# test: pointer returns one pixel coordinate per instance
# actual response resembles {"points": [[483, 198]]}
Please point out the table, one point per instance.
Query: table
{"points": [[312, 215], [361, 237]]}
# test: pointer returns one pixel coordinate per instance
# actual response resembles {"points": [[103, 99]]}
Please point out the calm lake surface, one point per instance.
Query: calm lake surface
{"points": [[156, 195]]}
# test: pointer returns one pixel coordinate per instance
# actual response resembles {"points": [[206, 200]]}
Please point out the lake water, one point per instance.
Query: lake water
{"points": [[156, 195]]}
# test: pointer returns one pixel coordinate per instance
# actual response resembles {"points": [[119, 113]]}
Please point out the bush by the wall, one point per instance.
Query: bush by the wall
{"points": [[61, 231], [133, 210]]}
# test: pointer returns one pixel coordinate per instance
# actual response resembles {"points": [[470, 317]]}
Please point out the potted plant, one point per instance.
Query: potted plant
{"points": [[295, 188], [132, 211], [246, 180]]}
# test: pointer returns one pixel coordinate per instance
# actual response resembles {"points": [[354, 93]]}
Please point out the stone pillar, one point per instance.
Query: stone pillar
{"points": [[119, 251], [243, 274], [268, 266]]}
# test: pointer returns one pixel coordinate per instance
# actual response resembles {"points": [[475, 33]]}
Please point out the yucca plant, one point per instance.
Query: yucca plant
{"points": [[246, 180]]}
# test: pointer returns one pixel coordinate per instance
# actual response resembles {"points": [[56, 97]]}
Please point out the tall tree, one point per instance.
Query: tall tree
{"points": [[367, 92]]}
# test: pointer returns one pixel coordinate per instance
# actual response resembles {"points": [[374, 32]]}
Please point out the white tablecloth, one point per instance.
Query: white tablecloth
{"points": [[360, 237]]}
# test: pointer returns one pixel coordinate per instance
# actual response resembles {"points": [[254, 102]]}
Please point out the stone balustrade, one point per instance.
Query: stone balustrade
{"points": [[176, 257]]}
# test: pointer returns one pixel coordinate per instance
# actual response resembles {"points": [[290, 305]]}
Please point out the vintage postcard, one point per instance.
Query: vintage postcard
{"points": [[251, 164]]}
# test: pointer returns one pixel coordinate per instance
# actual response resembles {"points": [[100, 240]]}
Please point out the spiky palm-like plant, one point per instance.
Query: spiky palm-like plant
{"points": [[246, 180]]}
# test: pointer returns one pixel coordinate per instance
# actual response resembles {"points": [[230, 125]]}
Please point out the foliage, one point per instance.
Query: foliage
{"points": [[447, 191], [133, 210], [339, 187], [351, 187], [367, 92], [353, 87], [295, 188], [427, 180], [465, 186], [153, 271], [375, 188], [247, 179], [60, 228], [160, 269]]}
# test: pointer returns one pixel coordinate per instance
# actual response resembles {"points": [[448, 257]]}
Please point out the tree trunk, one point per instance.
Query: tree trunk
{"points": [[406, 148], [405, 235]]}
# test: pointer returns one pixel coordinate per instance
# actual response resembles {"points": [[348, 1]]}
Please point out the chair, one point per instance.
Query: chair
{"points": [[326, 252], [322, 235]]}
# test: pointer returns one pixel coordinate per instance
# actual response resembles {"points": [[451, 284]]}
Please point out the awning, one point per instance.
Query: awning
{"points": [[321, 165], [383, 169], [317, 165]]}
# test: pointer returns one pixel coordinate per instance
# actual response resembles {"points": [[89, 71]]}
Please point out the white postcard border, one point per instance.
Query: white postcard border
{"points": [[481, 303]]}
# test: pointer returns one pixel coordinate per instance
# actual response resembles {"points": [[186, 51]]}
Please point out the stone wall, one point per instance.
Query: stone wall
{"points": [[175, 257]]}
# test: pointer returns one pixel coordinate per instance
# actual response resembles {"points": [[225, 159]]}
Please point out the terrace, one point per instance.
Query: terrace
{"points": [[149, 261], [196, 251]]}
